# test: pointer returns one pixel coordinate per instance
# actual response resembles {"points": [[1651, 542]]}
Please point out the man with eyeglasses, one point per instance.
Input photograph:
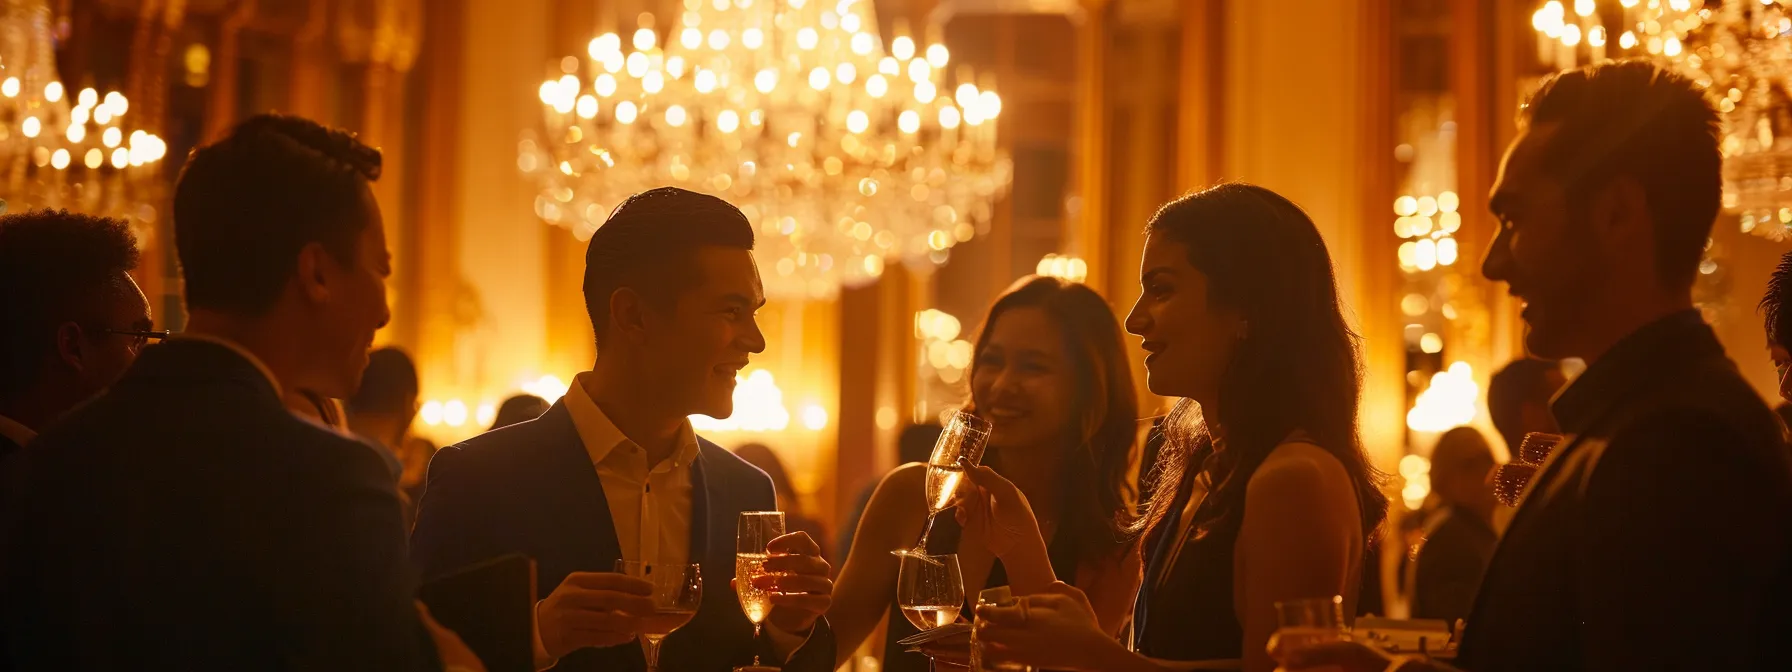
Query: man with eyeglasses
{"points": [[71, 318]]}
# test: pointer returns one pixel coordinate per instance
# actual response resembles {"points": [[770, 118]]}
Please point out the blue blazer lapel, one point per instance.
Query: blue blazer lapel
{"points": [[584, 513]]}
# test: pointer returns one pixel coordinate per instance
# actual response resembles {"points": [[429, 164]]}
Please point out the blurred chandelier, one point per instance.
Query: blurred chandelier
{"points": [[1740, 50], [61, 148], [843, 157]]}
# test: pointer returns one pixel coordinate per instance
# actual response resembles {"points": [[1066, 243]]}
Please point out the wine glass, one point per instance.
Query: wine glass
{"points": [[965, 437], [677, 593], [1307, 622], [754, 531], [930, 590]]}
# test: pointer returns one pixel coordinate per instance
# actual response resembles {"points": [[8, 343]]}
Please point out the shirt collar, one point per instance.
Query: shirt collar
{"points": [[600, 435], [18, 432], [241, 351], [1679, 339]]}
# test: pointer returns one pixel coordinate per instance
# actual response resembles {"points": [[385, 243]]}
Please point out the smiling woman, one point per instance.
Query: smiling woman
{"points": [[1050, 374]]}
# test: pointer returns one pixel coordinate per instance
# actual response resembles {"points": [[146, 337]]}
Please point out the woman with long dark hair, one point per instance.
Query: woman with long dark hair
{"points": [[1261, 492], [1049, 373]]}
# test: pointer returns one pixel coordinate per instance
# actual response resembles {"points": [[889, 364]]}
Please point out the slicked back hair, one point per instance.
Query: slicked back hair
{"points": [[1635, 119], [649, 243], [246, 205]]}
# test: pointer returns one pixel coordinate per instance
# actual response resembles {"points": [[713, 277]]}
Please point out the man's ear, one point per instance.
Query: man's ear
{"points": [[628, 314], [310, 273], [71, 345]]}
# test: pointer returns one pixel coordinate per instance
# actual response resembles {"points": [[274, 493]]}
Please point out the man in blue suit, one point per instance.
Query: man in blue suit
{"points": [[614, 471]]}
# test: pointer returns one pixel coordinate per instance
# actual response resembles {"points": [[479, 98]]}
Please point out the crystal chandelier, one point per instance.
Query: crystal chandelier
{"points": [[842, 155], [1740, 50], [61, 148]]}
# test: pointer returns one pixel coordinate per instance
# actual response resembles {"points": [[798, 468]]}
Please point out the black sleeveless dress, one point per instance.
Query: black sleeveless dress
{"points": [[1184, 610], [944, 539]]}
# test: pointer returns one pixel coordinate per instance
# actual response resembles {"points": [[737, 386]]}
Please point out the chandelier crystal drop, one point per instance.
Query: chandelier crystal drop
{"points": [[844, 155], [66, 148]]}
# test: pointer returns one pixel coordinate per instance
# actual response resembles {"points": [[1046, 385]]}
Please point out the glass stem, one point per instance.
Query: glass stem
{"points": [[921, 546], [756, 628], [653, 654]]}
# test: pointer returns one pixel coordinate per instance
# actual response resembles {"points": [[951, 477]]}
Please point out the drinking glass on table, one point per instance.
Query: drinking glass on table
{"points": [[677, 593], [755, 530], [965, 436], [929, 590], [1307, 622]]}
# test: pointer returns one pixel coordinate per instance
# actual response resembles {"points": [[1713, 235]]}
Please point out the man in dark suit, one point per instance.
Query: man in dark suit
{"points": [[71, 318], [614, 471], [185, 519], [1656, 537]]}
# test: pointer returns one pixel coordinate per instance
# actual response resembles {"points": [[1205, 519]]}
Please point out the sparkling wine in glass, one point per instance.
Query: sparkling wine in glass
{"points": [[1308, 622], [929, 590], [965, 437], [755, 530], [677, 593]]}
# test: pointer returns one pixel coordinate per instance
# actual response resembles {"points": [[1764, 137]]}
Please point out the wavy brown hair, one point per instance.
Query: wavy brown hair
{"points": [[1295, 368], [1096, 494]]}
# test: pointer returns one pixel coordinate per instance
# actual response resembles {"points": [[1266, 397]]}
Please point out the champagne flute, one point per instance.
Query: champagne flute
{"points": [[965, 437], [1307, 622], [677, 593], [755, 530], [930, 590]]}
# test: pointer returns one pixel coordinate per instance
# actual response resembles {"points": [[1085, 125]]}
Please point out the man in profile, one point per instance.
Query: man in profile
{"points": [[614, 471], [1659, 534], [185, 519], [71, 317]]}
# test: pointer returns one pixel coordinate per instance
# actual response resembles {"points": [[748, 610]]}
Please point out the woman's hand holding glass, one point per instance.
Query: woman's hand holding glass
{"points": [[1054, 629]]}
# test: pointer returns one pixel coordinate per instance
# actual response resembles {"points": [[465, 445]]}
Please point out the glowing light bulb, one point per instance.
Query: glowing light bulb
{"points": [[924, 92], [587, 106], [818, 78], [691, 38], [991, 103], [918, 70], [675, 115], [937, 55], [95, 158], [112, 136], [857, 121], [60, 159], [605, 85], [966, 95], [76, 132], [705, 81], [718, 39], [53, 93], [625, 112], [877, 86], [766, 80], [846, 73], [949, 117], [88, 97], [728, 121], [752, 38], [909, 121], [644, 39], [902, 47], [31, 127], [10, 87], [807, 38]]}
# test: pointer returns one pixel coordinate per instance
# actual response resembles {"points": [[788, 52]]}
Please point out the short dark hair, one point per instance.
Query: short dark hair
{"points": [[54, 264], [1523, 381], [388, 385], [647, 245], [246, 205], [1776, 304], [1636, 119]]}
